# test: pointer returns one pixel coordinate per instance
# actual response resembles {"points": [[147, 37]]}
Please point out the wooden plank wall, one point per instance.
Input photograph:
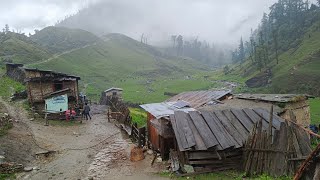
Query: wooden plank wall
{"points": [[277, 154]]}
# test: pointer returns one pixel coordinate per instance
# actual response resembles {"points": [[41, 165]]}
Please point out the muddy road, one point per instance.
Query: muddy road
{"points": [[95, 149]]}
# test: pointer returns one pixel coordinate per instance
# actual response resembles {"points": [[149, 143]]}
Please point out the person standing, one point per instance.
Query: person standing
{"points": [[86, 111]]}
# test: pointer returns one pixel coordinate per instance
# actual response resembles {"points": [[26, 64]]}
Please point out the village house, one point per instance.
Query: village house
{"points": [[208, 129], [111, 92], [160, 133], [47, 90]]}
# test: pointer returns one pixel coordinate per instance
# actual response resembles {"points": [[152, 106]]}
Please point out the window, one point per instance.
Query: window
{"points": [[114, 93], [57, 86]]}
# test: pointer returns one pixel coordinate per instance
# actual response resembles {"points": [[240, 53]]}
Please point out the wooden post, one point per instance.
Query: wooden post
{"points": [[271, 124], [139, 138], [108, 114], [46, 118]]}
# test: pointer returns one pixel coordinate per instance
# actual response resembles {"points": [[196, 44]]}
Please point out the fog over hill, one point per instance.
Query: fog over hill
{"points": [[214, 21]]}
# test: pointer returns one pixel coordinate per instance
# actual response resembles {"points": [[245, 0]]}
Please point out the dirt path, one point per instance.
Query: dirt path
{"points": [[58, 55], [95, 149]]}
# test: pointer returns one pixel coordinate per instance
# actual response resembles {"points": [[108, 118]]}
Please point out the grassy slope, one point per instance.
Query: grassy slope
{"points": [[8, 87], [20, 50], [297, 71], [123, 62], [60, 39]]}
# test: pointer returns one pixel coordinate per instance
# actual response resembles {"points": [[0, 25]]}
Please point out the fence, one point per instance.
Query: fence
{"points": [[138, 134], [120, 112], [276, 152]]}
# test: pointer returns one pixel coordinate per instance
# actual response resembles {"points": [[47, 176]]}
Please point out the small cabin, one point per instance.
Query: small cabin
{"points": [[160, 134], [111, 92], [42, 85]]}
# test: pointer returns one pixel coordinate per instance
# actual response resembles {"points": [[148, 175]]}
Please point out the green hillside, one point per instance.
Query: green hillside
{"points": [[60, 39], [20, 49], [141, 70], [294, 41]]}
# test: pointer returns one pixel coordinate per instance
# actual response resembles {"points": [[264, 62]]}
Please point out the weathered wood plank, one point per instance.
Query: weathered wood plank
{"points": [[203, 129], [242, 130], [184, 129], [232, 142], [266, 116], [282, 146], [200, 145], [243, 118], [176, 132], [230, 128], [211, 155], [254, 117], [217, 131]]}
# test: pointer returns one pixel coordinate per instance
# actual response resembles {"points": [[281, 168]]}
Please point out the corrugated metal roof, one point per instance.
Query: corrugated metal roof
{"points": [[273, 97], [113, 88], [164, 109], [199, 98], [219, 129]]}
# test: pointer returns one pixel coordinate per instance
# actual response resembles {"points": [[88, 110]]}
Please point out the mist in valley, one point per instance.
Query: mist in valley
{"points": [[203, 30]]}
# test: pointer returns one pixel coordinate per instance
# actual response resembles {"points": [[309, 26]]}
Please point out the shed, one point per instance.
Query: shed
{"points": [[160, 134], [42, 84], [111, 92], [159, 130], [213, 140]]}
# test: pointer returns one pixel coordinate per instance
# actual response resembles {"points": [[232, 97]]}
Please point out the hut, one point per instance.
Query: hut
{"points": [[213, 140], [160, 133], [109, 93], [43, 84]]}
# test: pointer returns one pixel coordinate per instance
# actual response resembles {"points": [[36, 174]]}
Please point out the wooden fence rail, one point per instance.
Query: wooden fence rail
{"points": [[278, 153]]}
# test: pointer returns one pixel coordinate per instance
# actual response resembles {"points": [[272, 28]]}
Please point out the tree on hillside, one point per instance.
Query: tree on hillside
{"points": [[318, 1], [275, 42], [179, 45], [6, 28], [241, 51], [173, 39]]}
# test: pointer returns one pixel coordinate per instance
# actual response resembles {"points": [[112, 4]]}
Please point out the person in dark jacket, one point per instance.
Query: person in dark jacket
{"points": [[86, 111]]}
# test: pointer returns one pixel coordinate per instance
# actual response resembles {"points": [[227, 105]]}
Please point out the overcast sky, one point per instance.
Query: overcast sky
{"points": [[219, 21]]}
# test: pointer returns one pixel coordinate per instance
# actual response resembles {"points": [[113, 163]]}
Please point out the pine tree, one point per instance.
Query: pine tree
{"points": [[7, 29], [241, 51]]}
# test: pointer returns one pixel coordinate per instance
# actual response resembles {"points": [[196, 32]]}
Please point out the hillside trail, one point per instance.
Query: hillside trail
{"points": [[95, 149], [55, 56]]}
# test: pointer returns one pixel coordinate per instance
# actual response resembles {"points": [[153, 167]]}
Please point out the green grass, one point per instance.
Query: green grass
{"points": [[9, 86], [139, 116], [135, 68], [61, 39], [7, 176], [315, 110]]}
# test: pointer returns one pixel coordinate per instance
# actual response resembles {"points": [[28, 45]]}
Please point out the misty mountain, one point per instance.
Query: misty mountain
{"points": [[60, 39]]}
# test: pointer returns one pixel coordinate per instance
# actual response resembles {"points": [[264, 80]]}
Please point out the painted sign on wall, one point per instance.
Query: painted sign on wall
{"points": [[57, 103]]}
